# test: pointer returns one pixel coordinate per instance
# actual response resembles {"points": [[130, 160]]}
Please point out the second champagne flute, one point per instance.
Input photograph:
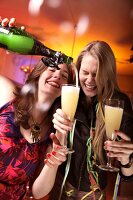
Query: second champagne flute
{"points": [[113, 116], [69, 101]]}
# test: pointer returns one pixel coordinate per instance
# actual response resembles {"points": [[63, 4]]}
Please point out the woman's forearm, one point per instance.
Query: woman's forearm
{"points": [[44, 182]]}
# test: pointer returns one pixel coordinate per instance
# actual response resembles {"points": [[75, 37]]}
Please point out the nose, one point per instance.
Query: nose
{"points": [[57, 74], [90, 78]]}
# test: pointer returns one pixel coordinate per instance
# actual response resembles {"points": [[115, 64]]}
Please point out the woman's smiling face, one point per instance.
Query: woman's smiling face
{"points": [[51, 80], [87, 75]]}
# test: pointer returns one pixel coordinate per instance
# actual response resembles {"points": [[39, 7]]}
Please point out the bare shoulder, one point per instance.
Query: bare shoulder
{"points": [[7, 88]]}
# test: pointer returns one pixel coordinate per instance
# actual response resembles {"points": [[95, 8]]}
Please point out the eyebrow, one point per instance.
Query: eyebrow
{"points": [[65, 71], [84, 70], [95, 71]]}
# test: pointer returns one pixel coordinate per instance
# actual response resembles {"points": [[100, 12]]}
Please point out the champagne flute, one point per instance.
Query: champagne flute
{"points": [[69, 101], [113, 116]]}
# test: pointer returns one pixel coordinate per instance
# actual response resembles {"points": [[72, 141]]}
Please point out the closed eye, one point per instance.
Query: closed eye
{"points": [[93, 74], [65, 75], [85, 73], [53, 69]]}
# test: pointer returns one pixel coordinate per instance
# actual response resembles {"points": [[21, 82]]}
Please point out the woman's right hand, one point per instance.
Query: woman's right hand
{"points": [[61, 122], [121, 149], [58, 154], [9, 22]]}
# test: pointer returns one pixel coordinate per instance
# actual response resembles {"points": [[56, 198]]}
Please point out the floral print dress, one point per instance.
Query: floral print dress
{"points": [[18, 158]]}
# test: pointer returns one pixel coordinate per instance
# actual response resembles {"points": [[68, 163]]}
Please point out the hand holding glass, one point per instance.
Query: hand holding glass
{"points": [[69, 101], [113, 117]]}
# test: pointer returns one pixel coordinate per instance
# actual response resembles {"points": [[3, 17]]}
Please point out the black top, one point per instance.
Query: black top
{"points": [[86, 115]]}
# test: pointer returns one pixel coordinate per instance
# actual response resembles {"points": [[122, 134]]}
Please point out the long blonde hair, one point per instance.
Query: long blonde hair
{"points": [[106, 81]]}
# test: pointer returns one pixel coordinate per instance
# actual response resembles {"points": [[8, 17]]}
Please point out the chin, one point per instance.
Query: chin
{"points": [[90, 93]]}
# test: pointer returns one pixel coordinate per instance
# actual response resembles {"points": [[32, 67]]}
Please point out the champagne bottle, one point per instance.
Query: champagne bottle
{"points": [[16, 40]]}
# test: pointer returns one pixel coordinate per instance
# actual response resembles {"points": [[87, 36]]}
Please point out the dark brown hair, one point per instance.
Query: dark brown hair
{"points": [[24, 102]]}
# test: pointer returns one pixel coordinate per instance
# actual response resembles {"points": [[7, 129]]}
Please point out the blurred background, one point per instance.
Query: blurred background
{"points": [[67, 26]]}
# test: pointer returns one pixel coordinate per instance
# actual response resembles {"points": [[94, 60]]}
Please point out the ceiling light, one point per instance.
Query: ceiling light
{"points": [[82, 25], [54, 3], [66, 27], [34, 6]]}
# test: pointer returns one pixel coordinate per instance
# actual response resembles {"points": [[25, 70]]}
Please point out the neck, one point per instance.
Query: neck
{"points": [[44, 103], [41, 108], [88, 100], [39, 114]]}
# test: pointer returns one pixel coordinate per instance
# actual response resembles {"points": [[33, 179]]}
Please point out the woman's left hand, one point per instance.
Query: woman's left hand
{"points": [[58, 154], [120, 149]]}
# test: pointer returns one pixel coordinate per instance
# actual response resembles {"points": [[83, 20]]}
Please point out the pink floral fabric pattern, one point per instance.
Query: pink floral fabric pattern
{"points": [[18, 158]]}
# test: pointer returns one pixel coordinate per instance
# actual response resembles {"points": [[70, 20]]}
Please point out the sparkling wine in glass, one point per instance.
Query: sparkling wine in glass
{"points": [[113, 116], [69, 101]]}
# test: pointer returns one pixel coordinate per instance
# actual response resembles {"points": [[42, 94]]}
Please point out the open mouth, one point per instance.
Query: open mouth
{"points": [[53, 84], [90, 87]]}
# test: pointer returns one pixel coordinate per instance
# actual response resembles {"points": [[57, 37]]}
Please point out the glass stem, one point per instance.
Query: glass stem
{"points": [[62, 138], [109, 162]]}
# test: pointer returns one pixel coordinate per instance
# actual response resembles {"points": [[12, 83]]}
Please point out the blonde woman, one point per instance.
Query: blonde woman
{"points": [[96, 65]]}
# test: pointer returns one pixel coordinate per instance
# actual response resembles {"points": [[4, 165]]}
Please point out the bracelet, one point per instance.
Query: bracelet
{"points": [[128, 165]]}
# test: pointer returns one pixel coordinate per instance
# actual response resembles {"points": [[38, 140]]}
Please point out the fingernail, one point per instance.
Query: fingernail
{"points": [[108, 142], [12, 19], [53, 153], [11, 24], [4, 23], [109, 153], [105, 147], [48, 155]]}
